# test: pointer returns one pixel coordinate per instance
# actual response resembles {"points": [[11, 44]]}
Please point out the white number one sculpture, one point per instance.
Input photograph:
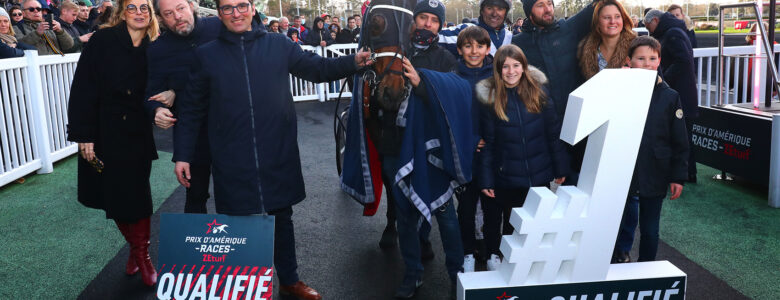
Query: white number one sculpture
{"points": [[569, 236]]}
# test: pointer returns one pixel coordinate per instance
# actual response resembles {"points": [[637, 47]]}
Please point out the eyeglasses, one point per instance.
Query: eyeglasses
{"points": [[228, 9], [16, 14], [34, 9], [134, 9]]}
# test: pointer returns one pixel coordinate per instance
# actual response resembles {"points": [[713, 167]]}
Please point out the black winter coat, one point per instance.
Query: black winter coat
{"points": [[663, 152], [315, 36], [677, 61], [106, 108], [171, 58], [554, 51], [241, 84], [525, 151]]}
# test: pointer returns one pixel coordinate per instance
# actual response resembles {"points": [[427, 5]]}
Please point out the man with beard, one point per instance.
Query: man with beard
{"points": [[170, 59], [551, 46], [492, 14]]}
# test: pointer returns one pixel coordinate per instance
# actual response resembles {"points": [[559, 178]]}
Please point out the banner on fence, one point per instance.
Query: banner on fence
{"points": [[215, 257]]}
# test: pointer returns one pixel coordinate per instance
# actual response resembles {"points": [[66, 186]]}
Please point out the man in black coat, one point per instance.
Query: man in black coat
{"points": [[677, 65], [170, 61], [252, 125]]}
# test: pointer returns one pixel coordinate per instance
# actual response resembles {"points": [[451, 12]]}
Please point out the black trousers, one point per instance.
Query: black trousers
{"points": [[497, 211], [285, 260], [468, 198], [198, 192]]}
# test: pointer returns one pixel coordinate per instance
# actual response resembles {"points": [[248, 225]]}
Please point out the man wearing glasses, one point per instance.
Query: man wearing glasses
{"points": [[34, 31], [171, 58], [241, 83]]}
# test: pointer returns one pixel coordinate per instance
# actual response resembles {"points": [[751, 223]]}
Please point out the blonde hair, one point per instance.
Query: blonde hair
{"points": [[69, 6], [528, 89], [152, 31], [10, 26]]}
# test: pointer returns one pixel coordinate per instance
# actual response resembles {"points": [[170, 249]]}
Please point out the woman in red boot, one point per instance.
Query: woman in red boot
{"points": [[114, 135]]}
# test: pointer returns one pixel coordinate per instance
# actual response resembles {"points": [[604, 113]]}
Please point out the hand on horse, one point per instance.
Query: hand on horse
{"points": [[411, 73], [363, 58]]}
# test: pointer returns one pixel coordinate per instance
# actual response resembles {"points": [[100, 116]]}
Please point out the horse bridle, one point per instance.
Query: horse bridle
{"points": [[370, 78]]}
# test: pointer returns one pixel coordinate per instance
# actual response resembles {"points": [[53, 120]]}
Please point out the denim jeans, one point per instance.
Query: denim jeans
{"points": [[410, 226], [646, 212]]}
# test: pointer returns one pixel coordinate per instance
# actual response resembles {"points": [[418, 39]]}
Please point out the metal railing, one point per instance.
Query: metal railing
{"points": [[737, 82]]}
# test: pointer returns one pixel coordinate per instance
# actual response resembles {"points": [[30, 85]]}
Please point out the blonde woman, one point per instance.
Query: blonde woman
{"points": [[113, 133]]}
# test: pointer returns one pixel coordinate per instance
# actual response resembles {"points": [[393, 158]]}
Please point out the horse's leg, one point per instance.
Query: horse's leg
{"points": [[390, 234]]}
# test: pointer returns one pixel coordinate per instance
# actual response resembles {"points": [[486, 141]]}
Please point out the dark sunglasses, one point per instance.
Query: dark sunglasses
{"points": [[34, 9], [133, 9], [16, 14], [228, 9]]}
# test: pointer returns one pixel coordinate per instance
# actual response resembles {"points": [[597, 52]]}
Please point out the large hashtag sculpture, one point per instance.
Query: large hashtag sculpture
{"points": [[569, 236]]}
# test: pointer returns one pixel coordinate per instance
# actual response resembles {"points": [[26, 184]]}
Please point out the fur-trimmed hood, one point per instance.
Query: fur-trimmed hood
{"points": [[588, 53], [483, 87]]}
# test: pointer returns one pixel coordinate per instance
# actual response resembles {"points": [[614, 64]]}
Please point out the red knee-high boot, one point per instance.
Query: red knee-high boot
{"points": [[139, 249], [131, 267]]}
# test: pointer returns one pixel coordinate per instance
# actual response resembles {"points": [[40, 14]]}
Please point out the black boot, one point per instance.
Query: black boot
{"points": [[389, 236]]}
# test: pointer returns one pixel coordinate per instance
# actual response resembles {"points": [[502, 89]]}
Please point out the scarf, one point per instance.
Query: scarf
{"points": [[8, 39]]}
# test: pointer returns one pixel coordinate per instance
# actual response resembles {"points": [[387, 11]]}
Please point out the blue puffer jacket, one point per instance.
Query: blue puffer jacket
{"points": [[474, 75], [242, 78], [554, 51], [524, 152], [677, 61]]}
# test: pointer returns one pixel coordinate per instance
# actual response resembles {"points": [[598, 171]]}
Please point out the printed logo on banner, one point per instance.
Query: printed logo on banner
{"points": [[231, 260]]}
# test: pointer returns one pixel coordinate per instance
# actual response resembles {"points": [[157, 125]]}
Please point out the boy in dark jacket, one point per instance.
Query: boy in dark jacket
{"points": [[662, 160], [475, 64]]}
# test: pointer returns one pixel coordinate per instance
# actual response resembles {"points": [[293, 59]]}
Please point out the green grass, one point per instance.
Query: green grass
{"points": [[729, 230], [51, 246]]}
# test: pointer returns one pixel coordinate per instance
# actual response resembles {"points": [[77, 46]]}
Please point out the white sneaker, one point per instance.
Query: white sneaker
{"points": [[468, 263], [493, 262]]}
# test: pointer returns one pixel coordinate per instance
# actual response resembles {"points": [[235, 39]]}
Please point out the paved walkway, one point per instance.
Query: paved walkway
{"points": [[337, 247]]}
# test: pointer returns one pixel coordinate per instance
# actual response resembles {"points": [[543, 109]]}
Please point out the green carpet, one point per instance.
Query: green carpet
{"points": [[729, 230], [51, 245]]}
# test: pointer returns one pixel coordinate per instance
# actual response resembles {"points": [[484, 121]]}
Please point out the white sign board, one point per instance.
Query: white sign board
{"points": [[563, 242]]}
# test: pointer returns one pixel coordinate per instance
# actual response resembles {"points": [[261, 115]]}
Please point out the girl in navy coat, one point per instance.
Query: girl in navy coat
{"points": [[522, 145]]}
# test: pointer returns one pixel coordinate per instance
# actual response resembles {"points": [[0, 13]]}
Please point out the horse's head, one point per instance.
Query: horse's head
{"points": [[391, 88], [388, 30]]}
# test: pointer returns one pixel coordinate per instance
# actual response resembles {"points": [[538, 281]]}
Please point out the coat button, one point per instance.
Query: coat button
{"points": [[128, 92], [124, 117]]}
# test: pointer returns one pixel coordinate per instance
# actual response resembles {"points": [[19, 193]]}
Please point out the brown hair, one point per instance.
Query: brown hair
{"points": [[528, 89], [644, 40], [152, 31], [673, 7], [473, 33], [628, 25]]}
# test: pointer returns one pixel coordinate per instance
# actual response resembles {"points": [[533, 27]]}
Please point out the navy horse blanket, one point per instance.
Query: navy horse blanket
{"points": [[436, 153]]}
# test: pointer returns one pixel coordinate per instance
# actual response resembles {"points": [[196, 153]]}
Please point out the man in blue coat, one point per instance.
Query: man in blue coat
{"points": [[492, 14], [240, 83], [170, 60], [677, 67], [551, 46]]}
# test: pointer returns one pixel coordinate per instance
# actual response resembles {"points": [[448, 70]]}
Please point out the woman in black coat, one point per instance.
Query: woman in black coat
{"points": [[107, 119], [319, 35]]}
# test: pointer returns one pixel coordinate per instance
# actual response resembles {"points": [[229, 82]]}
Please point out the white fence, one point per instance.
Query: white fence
{"points": [[303, 90], [34, 92], [736, 76]]}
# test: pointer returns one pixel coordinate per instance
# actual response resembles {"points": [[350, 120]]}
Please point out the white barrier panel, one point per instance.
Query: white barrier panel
{"points": [[737, 80], [334, 87], [57, 76], [303, 90], [19, 155]]}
